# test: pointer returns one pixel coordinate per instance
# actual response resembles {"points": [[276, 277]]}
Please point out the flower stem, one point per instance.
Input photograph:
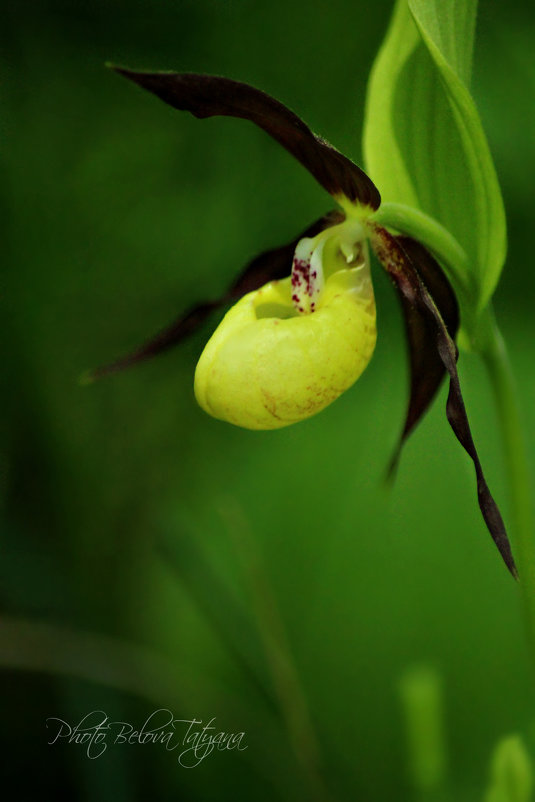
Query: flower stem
{"points": [[415, 223], [494, 353]]}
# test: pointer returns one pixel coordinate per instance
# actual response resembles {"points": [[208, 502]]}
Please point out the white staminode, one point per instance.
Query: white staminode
{"points": [[347, 248], [307, 274]]}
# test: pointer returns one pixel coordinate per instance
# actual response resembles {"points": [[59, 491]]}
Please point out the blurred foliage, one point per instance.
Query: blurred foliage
{"points": [[117, 214], [511, 773]]}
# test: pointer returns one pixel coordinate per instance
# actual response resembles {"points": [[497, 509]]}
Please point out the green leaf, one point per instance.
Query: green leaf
{"points": [[424, 144], [451, 25]]}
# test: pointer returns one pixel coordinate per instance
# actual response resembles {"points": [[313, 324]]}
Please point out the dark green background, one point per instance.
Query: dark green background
{"points": [[121, 499]]}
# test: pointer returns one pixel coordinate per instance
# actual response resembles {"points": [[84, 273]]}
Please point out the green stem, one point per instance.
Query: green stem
{"points": [[494, 352], [414, 223]]}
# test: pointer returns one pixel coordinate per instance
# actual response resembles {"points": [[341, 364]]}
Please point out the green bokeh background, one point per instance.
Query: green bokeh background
{"points": [[134, 524]]}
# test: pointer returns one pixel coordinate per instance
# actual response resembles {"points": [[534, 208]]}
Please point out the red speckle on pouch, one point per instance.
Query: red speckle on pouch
{"points": [[303, 282]]}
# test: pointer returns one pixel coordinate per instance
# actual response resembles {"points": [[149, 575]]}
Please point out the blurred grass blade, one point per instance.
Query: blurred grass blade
{"points": [[423, 140], [511, 772], [34, 645], [230, 622], [257, 643], [420, 692], [285, 676], [131, 668]]}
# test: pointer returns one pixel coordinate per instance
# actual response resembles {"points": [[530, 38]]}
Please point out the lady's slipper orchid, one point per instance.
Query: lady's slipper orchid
{"points": [[302, 328]]}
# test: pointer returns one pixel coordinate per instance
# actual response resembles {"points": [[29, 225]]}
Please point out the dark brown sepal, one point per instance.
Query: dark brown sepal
{"points": [[209, 96], [269, 266], [401, 259], [426, 367]]}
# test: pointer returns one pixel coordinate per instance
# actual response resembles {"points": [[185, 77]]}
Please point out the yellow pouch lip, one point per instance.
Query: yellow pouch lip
{"points": [[300, 347]]}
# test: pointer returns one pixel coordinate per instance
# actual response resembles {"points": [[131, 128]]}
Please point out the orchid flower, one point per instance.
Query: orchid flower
{"points": [[302, 327]]}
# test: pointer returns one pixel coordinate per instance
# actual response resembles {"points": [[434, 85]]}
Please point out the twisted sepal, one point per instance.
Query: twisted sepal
{"points": [[406, 263], [426, 367]]}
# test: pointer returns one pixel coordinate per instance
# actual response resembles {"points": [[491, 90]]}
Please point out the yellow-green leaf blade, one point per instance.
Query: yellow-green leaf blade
{"points": [[423, 141]]}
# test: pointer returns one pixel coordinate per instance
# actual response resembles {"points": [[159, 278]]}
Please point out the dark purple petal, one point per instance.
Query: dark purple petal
{"points": [[269, 266], [402, 261], [426, 367], [181, 328], [209, 96]]}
